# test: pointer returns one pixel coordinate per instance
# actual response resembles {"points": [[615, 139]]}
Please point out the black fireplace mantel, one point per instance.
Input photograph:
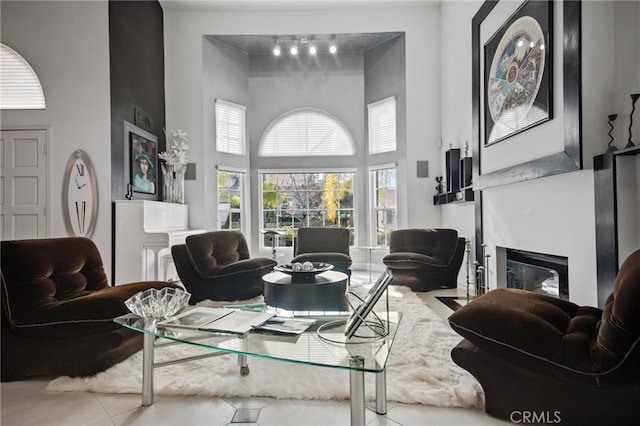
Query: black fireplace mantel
{"points": [[606, 217]]}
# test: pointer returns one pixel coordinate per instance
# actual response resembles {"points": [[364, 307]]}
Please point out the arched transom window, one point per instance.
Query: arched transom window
{"points": [[19, 85], [306, 132]]}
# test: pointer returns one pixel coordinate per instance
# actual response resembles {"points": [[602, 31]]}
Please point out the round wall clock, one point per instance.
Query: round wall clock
{"points": [[80, 195]]}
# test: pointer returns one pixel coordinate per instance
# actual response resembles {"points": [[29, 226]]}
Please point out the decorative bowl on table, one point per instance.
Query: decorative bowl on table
{"points": [[158, 304], [306, 269]]}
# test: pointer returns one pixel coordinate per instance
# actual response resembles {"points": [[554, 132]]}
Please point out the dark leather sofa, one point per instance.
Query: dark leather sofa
{"points": [[58, 309], [538, 355], [217, 266], [425, 259]]}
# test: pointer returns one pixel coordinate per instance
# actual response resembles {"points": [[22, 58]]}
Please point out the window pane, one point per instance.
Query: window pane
{"points": [[230, 205], [230, 127], [309, 199], [384, 204], [382, 126]]}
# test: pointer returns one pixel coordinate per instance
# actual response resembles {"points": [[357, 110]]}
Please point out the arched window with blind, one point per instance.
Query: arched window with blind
{"points": [[20, 87], [306, 132]]}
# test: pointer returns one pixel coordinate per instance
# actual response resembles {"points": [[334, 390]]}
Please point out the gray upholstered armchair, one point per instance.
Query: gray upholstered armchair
{"points": [[425, 259], [328, 245], [217, 265]]}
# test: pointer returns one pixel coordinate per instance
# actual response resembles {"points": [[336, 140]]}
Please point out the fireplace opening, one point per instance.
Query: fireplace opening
{"points": [[538, 272]]}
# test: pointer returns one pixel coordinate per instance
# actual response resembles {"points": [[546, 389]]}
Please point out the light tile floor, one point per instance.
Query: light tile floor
{"points": [[25, 403]]}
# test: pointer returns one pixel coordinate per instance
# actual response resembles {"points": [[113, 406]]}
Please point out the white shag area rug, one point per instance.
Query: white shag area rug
{"points": [[419, 369]]}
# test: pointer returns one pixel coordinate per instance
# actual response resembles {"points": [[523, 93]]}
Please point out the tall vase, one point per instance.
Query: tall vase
{"points": [[173, 183]]}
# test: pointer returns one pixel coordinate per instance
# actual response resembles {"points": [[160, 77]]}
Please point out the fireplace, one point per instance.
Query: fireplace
{"points": [[538, 272]]}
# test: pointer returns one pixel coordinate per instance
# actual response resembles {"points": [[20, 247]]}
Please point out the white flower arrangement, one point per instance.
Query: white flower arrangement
{"points": [[176, 155]]}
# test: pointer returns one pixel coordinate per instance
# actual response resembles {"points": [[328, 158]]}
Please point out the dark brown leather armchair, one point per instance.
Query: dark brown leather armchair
{"points": [[328, 245], [58, 310], [217, 265], [425, 259], [533, 353]]}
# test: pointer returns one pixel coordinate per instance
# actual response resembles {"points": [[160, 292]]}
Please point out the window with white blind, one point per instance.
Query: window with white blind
{"points": [[382, 126], [230, 127], [19, 85], [306, 132]]}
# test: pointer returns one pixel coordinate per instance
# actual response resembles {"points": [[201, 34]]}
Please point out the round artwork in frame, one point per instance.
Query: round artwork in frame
{"points": [[514, 78]]}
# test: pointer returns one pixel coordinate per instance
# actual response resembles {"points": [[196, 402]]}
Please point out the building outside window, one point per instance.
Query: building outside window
{"points": [[231, 205], [306, 199], [384, 203]]}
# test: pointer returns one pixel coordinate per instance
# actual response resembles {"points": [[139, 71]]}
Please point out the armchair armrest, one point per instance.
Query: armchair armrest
{"points": [[255, 266], [408, 260]]}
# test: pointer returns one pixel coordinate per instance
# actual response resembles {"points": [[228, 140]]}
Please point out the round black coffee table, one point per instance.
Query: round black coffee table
{"points": [[326, 291]]}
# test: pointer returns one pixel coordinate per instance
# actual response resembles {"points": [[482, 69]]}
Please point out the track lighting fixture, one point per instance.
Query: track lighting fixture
{"points": [[310, 46]]}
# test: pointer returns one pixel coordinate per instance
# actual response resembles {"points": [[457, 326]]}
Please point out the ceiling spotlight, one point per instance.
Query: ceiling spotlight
{"points": [[333, 48], [312, 50], [294, 49], [276, 50]]}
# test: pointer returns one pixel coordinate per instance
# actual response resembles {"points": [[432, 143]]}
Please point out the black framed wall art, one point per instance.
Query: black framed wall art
{"points": [[525, 156], [517, 72], [141, 160]]}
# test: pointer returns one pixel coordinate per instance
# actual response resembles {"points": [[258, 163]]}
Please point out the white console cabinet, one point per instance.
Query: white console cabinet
{"points": [[144, 233]]}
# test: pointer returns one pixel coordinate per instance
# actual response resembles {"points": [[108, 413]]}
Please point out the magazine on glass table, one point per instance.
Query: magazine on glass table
{"points": [[286, 325], [217, 319]]}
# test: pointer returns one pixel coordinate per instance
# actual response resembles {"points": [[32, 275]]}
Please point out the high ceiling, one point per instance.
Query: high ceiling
{"points": [[288, 4], [263, 44]]}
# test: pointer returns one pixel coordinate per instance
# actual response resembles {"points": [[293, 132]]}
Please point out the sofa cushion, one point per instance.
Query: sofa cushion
{"points": [[322, 240], [211, 249], [435, 242], [620, 329], [407, 260], [515, 322], [87, 313]]}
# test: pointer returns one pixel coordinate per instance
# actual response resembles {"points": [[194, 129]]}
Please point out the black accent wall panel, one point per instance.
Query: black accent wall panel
{"points": [[136, 52]]}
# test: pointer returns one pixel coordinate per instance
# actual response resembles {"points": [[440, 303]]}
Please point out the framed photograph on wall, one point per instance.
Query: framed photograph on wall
{"points": [[143, 161], [518, 72]]}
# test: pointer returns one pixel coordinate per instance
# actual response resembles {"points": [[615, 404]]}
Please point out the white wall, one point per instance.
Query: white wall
{"points": [[67, 44], [627, 71], [455, 123], [183, 58]]}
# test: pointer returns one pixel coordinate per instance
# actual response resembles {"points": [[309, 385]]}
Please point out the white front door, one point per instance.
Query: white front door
{"points": [[23, 188]]}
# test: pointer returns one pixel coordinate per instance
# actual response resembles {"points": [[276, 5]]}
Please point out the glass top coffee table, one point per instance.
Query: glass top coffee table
{"points": [[322, 345]]}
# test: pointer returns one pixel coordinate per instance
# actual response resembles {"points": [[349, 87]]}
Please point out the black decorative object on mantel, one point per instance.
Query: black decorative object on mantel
{"points": [[439, 186], [634, 98], [612, 118]]}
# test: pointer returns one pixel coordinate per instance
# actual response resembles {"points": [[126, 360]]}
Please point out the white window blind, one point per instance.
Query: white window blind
{"points": [[382, 126], [306, 132], [19, 85], [230, 127]]}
